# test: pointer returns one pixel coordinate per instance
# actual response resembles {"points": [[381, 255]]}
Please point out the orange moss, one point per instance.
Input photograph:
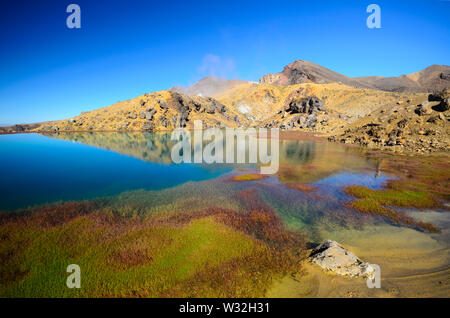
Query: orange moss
{"points": [[248, 177], [131, 257], [302, 187]]}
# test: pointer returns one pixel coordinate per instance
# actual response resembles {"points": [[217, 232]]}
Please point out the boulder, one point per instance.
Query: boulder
{"points": [[148, 114], [333, 257], [310, 121], [124, 125], [402, 123], [305, 105], [148, 126], [182, 119], [443, 97], [162, 104], [422, 110], [164, 121], [214, 106]]}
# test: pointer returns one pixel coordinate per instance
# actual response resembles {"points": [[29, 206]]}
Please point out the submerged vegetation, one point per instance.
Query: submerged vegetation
{"points": [[422, 183], [301, 187], [230, 236], [248, 177], [374, 207], [211, 253]]}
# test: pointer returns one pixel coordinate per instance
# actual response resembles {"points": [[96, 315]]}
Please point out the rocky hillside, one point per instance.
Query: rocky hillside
{"points": [[408, 126], [333, 107], [157, 111], [208, 86], [266, 105], [435, 77], [401, 121]]}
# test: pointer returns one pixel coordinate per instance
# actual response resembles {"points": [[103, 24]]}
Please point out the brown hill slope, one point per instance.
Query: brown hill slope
{"points": [[307, 72], [265, 104], [157, 111], [435, 77], [245, 105]]}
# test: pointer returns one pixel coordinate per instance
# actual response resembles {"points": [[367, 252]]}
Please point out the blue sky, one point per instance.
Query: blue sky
{"points": [[127, 48]]}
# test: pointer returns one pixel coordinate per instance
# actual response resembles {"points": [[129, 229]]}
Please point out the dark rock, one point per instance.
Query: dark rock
{"points": [[164, 121], [445, 76], [214, 106], [306, 105], [402, 123], [162, 104], [182, 119], [124, 125], [310, 121], [434, 119], [148, 126], [420, 110], [443, 97], [18, 128]]}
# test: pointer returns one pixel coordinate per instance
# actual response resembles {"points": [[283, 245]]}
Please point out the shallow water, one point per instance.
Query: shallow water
{"points": [[135, 169]]}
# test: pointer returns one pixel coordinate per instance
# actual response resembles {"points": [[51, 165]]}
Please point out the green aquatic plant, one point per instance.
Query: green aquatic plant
{"points": [[209, 253], [393, 197], [373, 207]]}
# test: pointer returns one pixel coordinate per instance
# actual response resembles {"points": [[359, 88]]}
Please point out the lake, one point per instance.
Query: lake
{"points": [[133, 172]]}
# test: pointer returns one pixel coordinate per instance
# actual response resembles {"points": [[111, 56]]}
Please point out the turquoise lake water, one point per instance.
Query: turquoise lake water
{"points": [[39, 169]]}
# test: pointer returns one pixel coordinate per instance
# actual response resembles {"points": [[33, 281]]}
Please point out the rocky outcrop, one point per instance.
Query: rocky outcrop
{"points": [[418, 128], [443, 97], [305, 105], [300, 112], [334, 258]]}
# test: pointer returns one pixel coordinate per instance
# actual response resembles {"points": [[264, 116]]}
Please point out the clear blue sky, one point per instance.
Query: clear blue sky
{"points": [[127, 48]]}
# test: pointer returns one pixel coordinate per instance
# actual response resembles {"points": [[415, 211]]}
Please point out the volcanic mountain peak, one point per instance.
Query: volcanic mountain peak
{"points": [[301, 71], [434, 77], [208, 86]]}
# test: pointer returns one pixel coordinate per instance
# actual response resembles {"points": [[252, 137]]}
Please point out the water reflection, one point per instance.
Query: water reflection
{"points": [[156, 147]]}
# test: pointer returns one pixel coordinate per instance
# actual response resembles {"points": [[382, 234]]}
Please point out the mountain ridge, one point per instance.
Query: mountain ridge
{"points": [[433, 78]]}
